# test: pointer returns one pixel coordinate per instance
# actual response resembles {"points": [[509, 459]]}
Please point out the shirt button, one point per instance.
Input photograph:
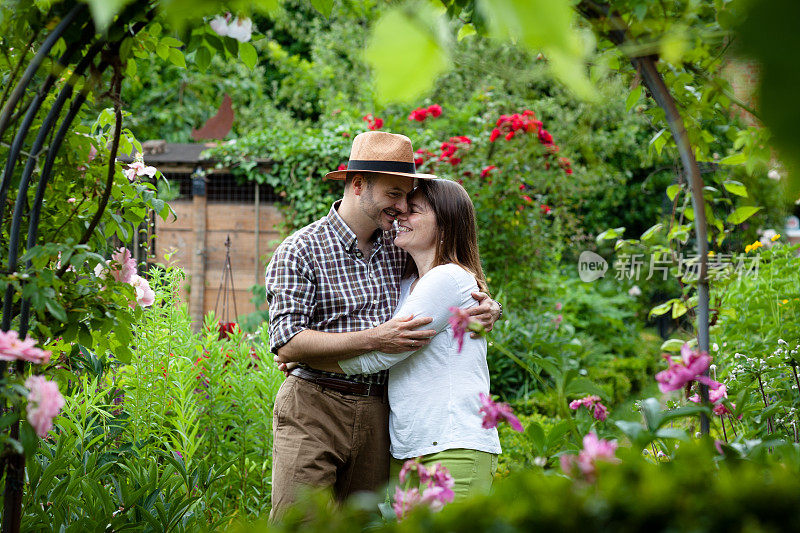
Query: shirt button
{"points": [[375, 302], [435, 443]]}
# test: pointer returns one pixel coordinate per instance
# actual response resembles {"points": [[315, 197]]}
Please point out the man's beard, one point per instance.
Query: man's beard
{"points": [[374, 213]]}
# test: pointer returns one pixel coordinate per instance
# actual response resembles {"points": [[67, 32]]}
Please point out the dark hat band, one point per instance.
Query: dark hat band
{"points": [[382, 166]]}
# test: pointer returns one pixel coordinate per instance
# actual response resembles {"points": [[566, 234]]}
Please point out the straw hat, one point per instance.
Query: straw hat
{"points": [[382, 152]]}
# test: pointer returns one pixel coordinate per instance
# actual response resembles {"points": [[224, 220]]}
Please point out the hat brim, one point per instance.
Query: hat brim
{"points": [[342, 174]]}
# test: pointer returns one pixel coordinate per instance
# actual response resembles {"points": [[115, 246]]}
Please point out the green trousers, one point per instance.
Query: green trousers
{"points": [[472, 470]]}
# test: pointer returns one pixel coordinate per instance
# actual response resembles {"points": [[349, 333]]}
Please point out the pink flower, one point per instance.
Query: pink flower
{"points": [[592, 403], [557, 320], [122, 265], [435, 495], [494, 413], [721, 409], [14, 349], [405, 500], [342, 166], [460, 322], [138, 168], [690, 368], [559, 306], [44, 403], [594, 450], [70, 200], [144, 294]]}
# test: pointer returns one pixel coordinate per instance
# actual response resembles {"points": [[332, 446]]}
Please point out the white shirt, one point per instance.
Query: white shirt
{"points": [[434, 391]]}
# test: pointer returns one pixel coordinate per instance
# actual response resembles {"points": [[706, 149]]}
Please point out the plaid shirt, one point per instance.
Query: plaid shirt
{"points": [[317, 279]]}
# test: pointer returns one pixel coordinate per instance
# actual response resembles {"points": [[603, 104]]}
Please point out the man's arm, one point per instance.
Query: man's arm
{"points": [[317, 348], [487, 312]]}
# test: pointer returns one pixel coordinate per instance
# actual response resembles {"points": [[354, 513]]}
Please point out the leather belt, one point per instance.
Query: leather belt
{"points": [[338, 384]]}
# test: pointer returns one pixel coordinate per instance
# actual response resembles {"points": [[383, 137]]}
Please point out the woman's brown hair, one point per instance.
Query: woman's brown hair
{"points": [[457, 234]]}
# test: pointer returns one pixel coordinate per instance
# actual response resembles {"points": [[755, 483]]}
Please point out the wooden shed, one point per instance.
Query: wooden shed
{"points": [[211, 205]]}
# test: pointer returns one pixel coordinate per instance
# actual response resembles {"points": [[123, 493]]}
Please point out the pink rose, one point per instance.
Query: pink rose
{"points": [[44, 403]]}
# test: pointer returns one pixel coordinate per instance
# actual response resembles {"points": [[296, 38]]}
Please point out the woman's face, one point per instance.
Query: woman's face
{"points": [[417, 228]]}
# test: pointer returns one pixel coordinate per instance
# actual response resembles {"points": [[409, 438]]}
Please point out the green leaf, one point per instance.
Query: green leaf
{"points": [[202, 58], [682, 412], [323, 6], [176, 58], [163, 51], [405, 57], [672, 433], [248, 55], [672, 191], [465, 31], [535, 434], [545, 25], [651, 232], [633, 98], [733, 159], [742, 213], [678, 309], [104, 11], [735, 187], [661, 309], [609, 234], [581, 386], [672, 345], [659, 140], [56, 310]]}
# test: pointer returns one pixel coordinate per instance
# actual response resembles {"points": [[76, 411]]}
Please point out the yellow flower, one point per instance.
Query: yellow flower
{"points": [[786, 301], [775, 237], [748, 248], [711, 253]]}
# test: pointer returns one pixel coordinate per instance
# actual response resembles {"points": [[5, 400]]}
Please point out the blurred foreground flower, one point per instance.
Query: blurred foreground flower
{"points": [[12, 348], [44, 403], [437, 492], [594, 450], [494, 413]]}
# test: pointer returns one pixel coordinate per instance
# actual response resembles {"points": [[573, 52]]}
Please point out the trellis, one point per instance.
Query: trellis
{"points": [[82, 49]]}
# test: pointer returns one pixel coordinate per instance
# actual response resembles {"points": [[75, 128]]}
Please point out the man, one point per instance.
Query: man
{"points": [[332, 288]]}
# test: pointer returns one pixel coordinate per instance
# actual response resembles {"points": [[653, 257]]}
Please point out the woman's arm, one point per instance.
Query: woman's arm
{"points": [[434, 295]]}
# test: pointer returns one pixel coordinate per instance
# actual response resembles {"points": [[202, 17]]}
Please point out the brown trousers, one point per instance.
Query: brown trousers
{"points": [[324, 438]]}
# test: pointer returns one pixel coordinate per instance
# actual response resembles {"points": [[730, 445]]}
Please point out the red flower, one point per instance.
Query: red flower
{"points": [[522, 186], [419, 114], [545, 209], [545, 137], [527, 199], [345, 134], [509, 135], [373, 123], [418, 162], [343, 166], [435, 110], [495, 134], [488, 170], [454, 161]]}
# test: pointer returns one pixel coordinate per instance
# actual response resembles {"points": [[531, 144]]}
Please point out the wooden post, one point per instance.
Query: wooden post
{"points": [[197, 291]]}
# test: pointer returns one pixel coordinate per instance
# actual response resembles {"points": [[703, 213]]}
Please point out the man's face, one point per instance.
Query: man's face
{"points": [[384, 198]]}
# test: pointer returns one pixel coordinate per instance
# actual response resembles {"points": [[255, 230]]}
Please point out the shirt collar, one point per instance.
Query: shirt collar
{"points": [[344, 233]]}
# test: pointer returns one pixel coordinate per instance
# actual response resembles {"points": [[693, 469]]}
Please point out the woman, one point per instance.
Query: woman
{"points": [[434, 391]]}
